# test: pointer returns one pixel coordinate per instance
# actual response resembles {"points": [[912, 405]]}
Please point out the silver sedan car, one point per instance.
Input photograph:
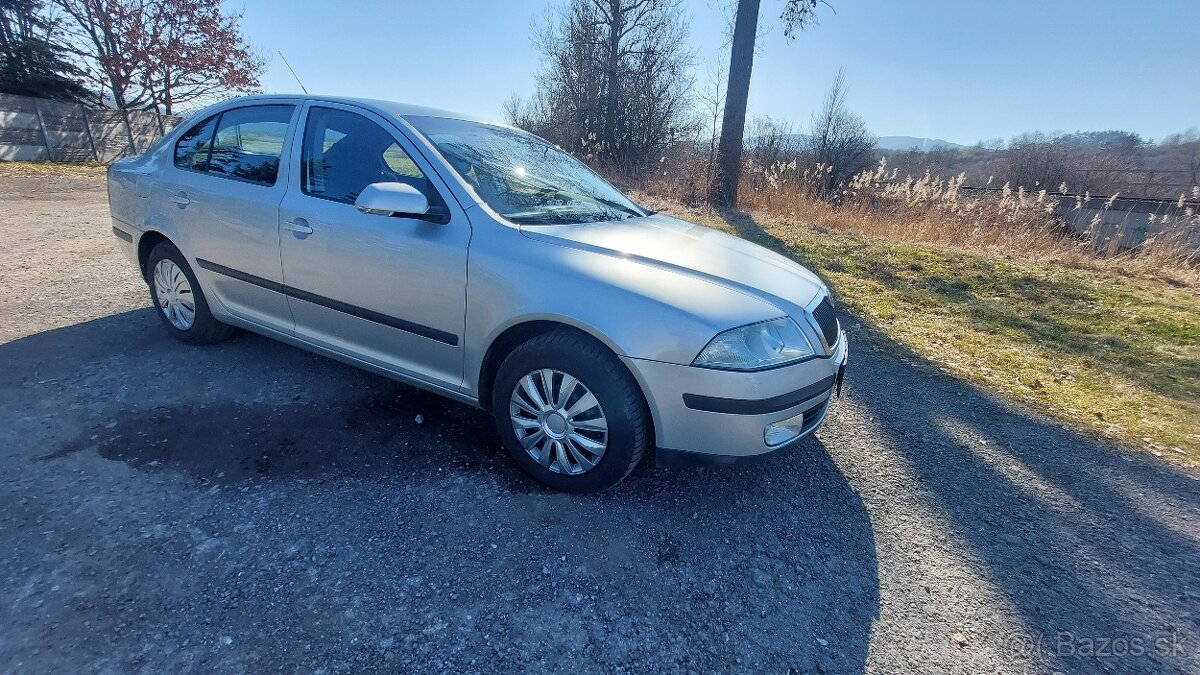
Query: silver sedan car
{"points": [[482, 263]]}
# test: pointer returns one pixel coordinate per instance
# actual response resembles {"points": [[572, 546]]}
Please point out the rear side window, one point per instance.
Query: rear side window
{"points": [[192, 148], [249, 141], [344, 152]]}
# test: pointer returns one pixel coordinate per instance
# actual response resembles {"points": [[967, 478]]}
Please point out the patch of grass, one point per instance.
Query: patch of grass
{"points": [[52, 169], [1110, 354]]}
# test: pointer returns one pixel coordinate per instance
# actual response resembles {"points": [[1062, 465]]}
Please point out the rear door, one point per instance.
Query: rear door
{"points": [[387, 290], [223, 192]]}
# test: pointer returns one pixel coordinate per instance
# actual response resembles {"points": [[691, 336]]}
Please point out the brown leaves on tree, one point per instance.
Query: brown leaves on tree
{"points": [[160, 53]]}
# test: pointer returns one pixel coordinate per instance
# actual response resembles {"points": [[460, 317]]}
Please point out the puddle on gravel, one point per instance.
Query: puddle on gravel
{"points": [[375, 435]]}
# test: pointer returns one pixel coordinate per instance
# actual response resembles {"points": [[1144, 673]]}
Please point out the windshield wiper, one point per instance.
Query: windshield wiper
{"points": [[615, 205], [547, 218], [542, 188]]}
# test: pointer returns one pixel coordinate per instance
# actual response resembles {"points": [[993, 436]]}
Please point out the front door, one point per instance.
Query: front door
{"points": [[386, 290]]}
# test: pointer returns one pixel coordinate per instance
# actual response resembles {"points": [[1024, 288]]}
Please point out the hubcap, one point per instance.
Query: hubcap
{"points": [[558, 421], [174, 294]]}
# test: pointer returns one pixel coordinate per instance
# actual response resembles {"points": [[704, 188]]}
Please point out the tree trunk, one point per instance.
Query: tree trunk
{"points": [[168, 102], [612, 86], [741, 62], [118, 93]]}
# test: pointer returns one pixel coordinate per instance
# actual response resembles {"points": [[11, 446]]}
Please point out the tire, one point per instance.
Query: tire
{"points": [[562, 354], [204, 329]]}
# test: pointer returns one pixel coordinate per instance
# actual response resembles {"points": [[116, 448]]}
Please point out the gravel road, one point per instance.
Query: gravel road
{"points": [[251, 507]]}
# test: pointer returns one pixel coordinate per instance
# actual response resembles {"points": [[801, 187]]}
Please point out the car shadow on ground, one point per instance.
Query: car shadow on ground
{"points": [[1090, 543], [238, 422], [769, 564]]}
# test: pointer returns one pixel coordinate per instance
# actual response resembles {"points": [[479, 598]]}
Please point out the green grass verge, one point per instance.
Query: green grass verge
{"points": [[1112, 355]]}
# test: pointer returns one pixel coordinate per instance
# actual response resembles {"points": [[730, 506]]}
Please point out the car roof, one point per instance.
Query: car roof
{"points": [[390, 107]]}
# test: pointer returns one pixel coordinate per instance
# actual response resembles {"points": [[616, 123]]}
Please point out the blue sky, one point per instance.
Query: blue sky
{"points": [[960, 70]]}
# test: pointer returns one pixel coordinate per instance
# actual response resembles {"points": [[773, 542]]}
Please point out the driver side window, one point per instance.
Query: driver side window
{"points": [[344, 152]]}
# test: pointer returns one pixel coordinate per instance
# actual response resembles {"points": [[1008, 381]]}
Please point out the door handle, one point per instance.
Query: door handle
{"points": [[181, 198], [298, 227]]}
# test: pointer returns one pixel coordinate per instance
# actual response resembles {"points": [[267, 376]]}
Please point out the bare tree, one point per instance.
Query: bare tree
{"points": [[839, 139], [797, 15], [711, 101], [772, 141], [615, 86], [1183, 152], [159, 53], [1036, 160], [107, 40], [514, 111], [1096, 162]]}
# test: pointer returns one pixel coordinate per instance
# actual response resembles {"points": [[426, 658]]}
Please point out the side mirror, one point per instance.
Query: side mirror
{"points": [[392, 199]]}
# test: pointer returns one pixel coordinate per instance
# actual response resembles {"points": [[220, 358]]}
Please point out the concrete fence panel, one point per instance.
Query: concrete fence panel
{"points": [[109, 133], [33, 129], [21, 135]]}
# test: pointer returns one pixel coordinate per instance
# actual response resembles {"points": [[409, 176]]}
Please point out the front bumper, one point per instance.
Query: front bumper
{"points": [[705, 416]]}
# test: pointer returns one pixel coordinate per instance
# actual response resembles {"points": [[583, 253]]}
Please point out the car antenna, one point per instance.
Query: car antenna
{"points": [[289, 67]]}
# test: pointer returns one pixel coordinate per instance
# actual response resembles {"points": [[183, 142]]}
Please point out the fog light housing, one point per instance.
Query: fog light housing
{"points": [[784, 431]]}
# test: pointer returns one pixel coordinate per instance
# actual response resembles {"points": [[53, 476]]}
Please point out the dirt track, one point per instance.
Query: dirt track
{"points": [[252, 507]]}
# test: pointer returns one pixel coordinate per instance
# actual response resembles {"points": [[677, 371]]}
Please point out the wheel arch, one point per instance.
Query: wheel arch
{"points": [[522, 331], [145, 245]]}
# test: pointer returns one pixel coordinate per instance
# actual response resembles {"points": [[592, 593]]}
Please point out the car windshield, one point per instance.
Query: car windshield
{"points": [[524, 178]]}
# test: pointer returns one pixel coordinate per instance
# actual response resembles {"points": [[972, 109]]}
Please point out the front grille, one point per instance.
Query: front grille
{"points": [[826, 320], [813, 415]]}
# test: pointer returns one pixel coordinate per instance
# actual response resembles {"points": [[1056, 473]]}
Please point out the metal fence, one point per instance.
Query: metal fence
{"points": [[36, 129], [1118, 223]]}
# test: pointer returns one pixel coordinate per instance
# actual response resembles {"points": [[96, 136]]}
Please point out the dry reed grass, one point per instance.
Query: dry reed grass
{"points": [[1010, 222]]}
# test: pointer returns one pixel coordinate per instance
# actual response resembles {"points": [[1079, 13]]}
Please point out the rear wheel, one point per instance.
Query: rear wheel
{"points": [[570, 413], [177, 297]]}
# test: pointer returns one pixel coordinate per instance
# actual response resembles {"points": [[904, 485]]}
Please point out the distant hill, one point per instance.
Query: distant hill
{"points": [[915, 143], [887, 143]]}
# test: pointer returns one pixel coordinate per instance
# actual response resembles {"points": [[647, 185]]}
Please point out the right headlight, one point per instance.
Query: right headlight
{"points": [[756, 346]]}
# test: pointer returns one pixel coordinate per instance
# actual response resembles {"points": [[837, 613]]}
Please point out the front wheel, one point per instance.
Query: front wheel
{"points": [[570, 413]]}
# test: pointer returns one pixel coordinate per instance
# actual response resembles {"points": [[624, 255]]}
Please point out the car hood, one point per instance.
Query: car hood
{"points": [[686, 248]]}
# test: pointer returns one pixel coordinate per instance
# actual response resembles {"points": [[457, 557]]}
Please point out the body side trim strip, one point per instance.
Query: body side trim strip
{"points": [[336, 305], [737, 406]]}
